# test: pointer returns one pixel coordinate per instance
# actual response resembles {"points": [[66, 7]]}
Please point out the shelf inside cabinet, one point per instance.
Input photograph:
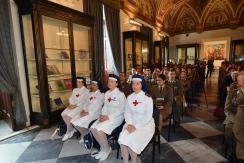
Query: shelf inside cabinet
{"points": [[35, 95], [59, 49], [82, 51], [49, 59], [58, 75], [83, 59]]}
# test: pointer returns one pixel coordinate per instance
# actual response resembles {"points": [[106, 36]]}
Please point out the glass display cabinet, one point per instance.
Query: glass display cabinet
{"points": [[161, 52], [136, 53], [188, 53], [57, 48], [237, 50]]}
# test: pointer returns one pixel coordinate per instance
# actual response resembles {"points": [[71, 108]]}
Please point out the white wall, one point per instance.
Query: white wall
{"points": [[20, 59], [200, 38]]}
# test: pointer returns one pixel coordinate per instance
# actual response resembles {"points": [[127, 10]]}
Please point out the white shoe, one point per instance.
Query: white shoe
{"points": [[81, 140], [94, 153], [99, 155], [105, 155], [66, 137]]}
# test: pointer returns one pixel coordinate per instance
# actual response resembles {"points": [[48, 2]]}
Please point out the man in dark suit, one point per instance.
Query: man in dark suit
{"points": [[210, 67], [177, 87], [162, 98]]}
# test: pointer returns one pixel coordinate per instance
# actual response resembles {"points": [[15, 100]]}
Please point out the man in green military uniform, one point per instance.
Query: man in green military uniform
{"points": [[162, 97], [238, 127], [186, 84], [230, 111], [177, 87]]}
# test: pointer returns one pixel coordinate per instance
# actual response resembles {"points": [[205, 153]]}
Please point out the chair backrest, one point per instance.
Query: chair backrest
{"points": [[156, 115]]}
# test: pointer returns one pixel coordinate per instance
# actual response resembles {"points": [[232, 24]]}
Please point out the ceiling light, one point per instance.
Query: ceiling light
{"points": [[133, 22]]}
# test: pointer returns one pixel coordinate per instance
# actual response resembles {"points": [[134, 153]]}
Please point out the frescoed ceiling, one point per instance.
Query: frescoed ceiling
{"points": [[185, 16]]}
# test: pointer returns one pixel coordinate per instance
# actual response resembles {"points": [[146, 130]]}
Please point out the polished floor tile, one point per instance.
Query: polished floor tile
{"points": [[195, 151], [44, 161], [217, 124], [4, 129], [42, 150], [200, 129], [179, 134], [9, 153], [24, 137], [215, 142], [202, 114], [167, 155], [46, 134], [72, 147], [77, 159]]}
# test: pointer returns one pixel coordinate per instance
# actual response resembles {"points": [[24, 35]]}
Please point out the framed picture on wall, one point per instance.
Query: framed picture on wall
{"points": [[238, 50], [215, 50]]}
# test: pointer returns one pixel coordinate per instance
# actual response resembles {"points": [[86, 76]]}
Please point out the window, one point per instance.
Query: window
{"points": [[108, 55]]}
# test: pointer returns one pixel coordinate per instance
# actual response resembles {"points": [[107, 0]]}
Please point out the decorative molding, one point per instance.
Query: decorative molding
{"points": [[185, 16]]}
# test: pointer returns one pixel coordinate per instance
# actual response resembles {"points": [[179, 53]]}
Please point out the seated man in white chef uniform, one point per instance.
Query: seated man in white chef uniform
{"points": [[91, 110], [76, 104], [139, 127], [112, 116]]}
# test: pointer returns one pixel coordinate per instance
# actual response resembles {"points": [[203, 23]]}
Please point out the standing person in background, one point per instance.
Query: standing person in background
{"points": [[210, 66]]}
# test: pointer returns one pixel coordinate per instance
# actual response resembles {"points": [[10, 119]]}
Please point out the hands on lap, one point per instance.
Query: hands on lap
{"points": [[130, 128], [103, 118]]}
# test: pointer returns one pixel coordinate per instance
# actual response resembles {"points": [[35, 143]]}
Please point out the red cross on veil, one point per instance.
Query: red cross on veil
{"points": [[135, 103], [109, 99], [77, 95], [91, 98]]}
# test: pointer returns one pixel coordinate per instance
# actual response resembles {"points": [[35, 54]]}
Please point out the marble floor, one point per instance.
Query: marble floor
{"points": [[4, 129], [197, 140]]}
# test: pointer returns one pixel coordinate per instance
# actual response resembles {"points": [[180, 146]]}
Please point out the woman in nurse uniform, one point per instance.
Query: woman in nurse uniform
{"points": [[139, 127], [76, 103], [112, 116], [91, 110]]}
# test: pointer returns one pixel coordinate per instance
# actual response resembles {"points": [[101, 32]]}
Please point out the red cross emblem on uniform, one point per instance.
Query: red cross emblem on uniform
{"points": [[91, 98], [135, 103], [109, 99], [77, 95]]}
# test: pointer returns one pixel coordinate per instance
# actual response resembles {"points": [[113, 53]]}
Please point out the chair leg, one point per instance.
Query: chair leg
{"points": [[118, 150], [169, 128], [226, 149], [159, 148], [182, 112], [153, 154]]}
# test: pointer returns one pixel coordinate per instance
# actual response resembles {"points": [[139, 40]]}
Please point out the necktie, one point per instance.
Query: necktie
{"points": [[160, 89]]}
